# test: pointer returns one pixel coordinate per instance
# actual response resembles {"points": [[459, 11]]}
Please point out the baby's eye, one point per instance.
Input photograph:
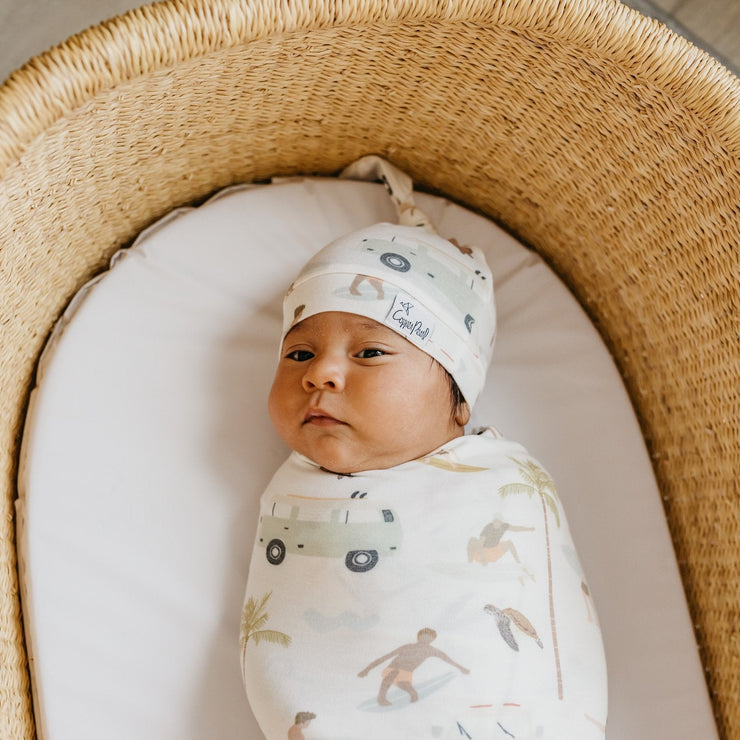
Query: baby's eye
{"points": [[366, 354], [299, 355]]}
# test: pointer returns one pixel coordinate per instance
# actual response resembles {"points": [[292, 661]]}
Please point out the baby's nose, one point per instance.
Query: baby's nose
{"points": [[324, 373]]}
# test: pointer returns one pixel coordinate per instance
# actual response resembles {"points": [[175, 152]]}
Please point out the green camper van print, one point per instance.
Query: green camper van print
{"points": [[355, 530], [447, 273]]}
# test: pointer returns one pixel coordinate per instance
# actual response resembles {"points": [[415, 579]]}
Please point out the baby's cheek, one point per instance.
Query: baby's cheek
{"points": [[277, 402], [280, 422]]}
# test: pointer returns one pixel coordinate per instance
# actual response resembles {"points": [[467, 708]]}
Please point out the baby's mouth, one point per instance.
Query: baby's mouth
{"points": [[320, 418]]}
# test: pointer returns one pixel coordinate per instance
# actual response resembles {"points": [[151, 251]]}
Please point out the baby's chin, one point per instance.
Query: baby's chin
{"points": [[348, 462], [339, 454], [340, 466]]}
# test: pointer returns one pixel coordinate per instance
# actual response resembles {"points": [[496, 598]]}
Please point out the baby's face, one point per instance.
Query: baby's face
{"points": [[351, 395]]}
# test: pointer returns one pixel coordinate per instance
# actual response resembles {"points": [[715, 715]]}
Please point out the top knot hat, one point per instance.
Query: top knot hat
{"points": [[434, 293]]}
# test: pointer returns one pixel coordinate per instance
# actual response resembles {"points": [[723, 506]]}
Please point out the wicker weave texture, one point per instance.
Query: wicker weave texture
{"points": [[605, 142]]}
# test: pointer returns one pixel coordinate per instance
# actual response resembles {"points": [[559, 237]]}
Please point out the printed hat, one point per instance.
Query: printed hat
{"points": [[433, 293]]}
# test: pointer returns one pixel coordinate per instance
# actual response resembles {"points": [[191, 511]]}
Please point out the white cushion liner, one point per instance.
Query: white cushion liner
{"points": [[148, 444]]}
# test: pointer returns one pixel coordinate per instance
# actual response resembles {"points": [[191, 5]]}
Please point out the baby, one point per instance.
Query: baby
{"points": [[409, 580]]}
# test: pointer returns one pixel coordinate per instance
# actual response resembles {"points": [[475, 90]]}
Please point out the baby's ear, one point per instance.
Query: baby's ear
{"points": [[462, 414]]}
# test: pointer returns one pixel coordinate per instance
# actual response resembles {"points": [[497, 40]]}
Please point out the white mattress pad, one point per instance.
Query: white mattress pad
{"points": [[148, 444]]}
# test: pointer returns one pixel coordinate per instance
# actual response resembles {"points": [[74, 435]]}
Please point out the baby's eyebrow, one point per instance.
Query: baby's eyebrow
{"points": [[373, 326], [368, 326], [296, 328]]}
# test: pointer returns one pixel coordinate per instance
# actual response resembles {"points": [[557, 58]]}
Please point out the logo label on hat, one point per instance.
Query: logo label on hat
{"points": [[408, 318]]}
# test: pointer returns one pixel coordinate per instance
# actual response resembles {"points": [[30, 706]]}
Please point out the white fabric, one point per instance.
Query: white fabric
{"points": [[148, 444], [439, 597]]}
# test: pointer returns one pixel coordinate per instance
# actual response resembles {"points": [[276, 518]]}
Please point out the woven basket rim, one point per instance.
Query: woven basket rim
{"points": [[159, 36], [82, 175]]}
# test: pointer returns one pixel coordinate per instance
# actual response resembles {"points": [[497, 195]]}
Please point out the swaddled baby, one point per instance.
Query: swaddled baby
{"points": [[409, 580]]}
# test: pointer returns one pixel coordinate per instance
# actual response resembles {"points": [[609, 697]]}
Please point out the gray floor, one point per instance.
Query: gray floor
{"points": [[712, 25], [28, 27], [716, 21]]}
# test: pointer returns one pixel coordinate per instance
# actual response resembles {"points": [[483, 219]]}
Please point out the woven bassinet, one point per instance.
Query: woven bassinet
{"points": [[607, 143]]}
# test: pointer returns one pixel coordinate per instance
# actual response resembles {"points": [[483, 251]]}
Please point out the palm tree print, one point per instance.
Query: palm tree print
{"points": [[254, 618], [538, 481]]}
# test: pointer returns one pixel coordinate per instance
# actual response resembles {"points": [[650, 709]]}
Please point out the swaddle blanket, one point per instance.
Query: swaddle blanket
{"points": [[441, 598]]}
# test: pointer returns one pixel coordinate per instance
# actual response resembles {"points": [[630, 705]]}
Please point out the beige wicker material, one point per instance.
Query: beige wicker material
{"points": [[595, 135]]}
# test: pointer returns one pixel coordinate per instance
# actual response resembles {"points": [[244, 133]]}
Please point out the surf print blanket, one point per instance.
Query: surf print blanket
{"points": [[442, 598]]}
